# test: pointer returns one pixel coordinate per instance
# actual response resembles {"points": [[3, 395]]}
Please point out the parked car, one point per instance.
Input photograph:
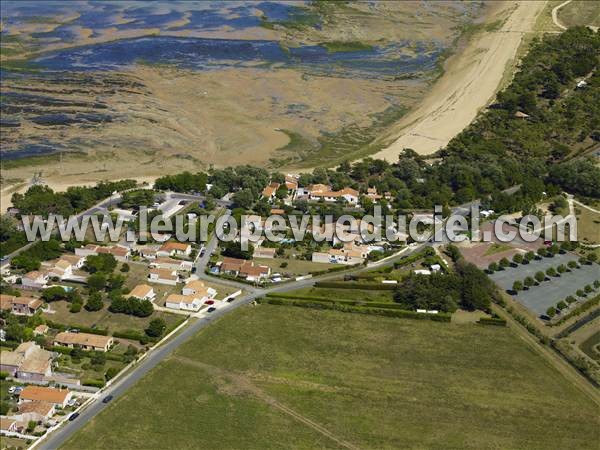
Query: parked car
{"points": [[107, 399], [73, 416], [11, 390], [72, 402], [209, 302], [211, 309], [18, 390]]}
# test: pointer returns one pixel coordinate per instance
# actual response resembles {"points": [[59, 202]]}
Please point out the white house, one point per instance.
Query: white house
{"points": [[75, 260], [34, 279], [163, 276], [143, 292], [183, 302], [148, 252], [61, 269], [171, 264], [196, 288], [174, 249]]}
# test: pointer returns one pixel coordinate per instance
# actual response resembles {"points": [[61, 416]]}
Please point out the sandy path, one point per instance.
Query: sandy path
{"points": [[470, 82], [555, 15]]}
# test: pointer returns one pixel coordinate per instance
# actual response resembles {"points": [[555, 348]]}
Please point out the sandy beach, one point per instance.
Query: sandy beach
{"points": [[470, 82]]}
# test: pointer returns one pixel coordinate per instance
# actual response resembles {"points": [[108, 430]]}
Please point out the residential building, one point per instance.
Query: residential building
{"points": [[27, 362], [264, 252], [245, 269], [350, 254], [121, 253], [24, 306], [76, 261], [163, 276], [270, 191], [36, 411], [198, 289], [148, 252], [9, 425], [34, 279], [183, 302], [85, 341], [57, 397], [143, 292], [373, 195], [61, 269], [40, 330], [324, 192], [174, 249], [165, 262]]}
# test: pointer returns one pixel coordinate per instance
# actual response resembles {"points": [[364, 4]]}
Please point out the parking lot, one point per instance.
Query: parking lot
{"points": [[539, 298]]}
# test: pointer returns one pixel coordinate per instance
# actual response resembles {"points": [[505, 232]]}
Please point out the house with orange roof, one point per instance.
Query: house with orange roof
{"points": [[36, 411], [183, 302], [84, 341], [143, 292], [56, 397], [24, 306]]}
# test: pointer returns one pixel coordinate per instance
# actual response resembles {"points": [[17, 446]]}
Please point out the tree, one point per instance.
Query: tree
{"points": [[94, 302], [96, 281], [477, 290], [156, 327], [561, 305], [243, 199], [125, 268], [517, 286], [570, 299], [54, 293], [518, 258], [572, 265], [504, 262], [551, 272], [540, 276], [591, 257], [580, 293], [597, 284], [454, 253], [493, 267], [530, 256], [551, 312], [561, 268], [234, 250], [529, 281], [587, 289], [103, 262], [542, 251]]}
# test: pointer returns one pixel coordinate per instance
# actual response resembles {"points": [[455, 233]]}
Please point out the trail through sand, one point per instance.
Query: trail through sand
{"points": [[471, 80]]}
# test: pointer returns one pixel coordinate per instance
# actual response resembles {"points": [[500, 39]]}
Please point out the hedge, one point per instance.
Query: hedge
{"points": [[399, 313], [364, 286], [492, 321], [93, 383], [134, 335]]}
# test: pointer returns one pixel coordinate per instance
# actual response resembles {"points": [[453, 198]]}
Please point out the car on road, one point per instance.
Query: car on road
{"points": [[229, 300], [73, 416], [211, 309], [107, 399]]}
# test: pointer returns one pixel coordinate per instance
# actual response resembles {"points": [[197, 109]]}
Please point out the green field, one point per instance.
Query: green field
{"points": [[281, 377]]}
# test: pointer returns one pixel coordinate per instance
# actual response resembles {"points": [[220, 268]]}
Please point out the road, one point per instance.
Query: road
{"points": [[555, 15], [55, 439]]}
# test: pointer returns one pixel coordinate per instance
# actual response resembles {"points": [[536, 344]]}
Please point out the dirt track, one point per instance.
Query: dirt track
{"points": [[469, 83]]}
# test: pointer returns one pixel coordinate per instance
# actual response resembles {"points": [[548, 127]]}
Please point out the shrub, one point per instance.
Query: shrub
{"points": [[517, 286], [540, 276], [551, 272], [561, 305], [529, 281], [551, 312], [3, 375], [504, 263], [572, 265], [492, 321], [75, 307], [570, 299], [588, 288], [518, 258], [111, 372], [93, 383], [493, 267]]}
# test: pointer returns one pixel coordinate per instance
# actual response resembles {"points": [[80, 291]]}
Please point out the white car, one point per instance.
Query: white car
{"points": [[72, 402], [12, 389]]}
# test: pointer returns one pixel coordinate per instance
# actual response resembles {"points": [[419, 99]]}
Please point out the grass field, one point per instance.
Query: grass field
{"points": [[588, 225], [347, 294], [279, 377], [294, 266], [580, 12]]}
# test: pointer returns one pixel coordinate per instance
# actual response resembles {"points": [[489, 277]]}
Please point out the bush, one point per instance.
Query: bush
{"points": [[75, 308], [3, 375], [111, 372], [551, 312], [363, 286], [561, 305]]}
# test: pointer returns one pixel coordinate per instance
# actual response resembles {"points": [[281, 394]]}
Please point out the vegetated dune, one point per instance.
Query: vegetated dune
{"points": [[469, 83]]}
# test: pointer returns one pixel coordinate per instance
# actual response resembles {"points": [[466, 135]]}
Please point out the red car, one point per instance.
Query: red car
{"points": [[209, 302]]}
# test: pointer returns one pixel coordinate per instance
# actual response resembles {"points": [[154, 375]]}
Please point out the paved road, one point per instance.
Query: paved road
{"points": [[58, 437]]}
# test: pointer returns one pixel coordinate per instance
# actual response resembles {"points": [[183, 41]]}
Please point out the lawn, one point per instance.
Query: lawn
{"points": [[497, 248], [273, 372], [104, 318], [346, 294], [294, 267], [588, 225]]}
